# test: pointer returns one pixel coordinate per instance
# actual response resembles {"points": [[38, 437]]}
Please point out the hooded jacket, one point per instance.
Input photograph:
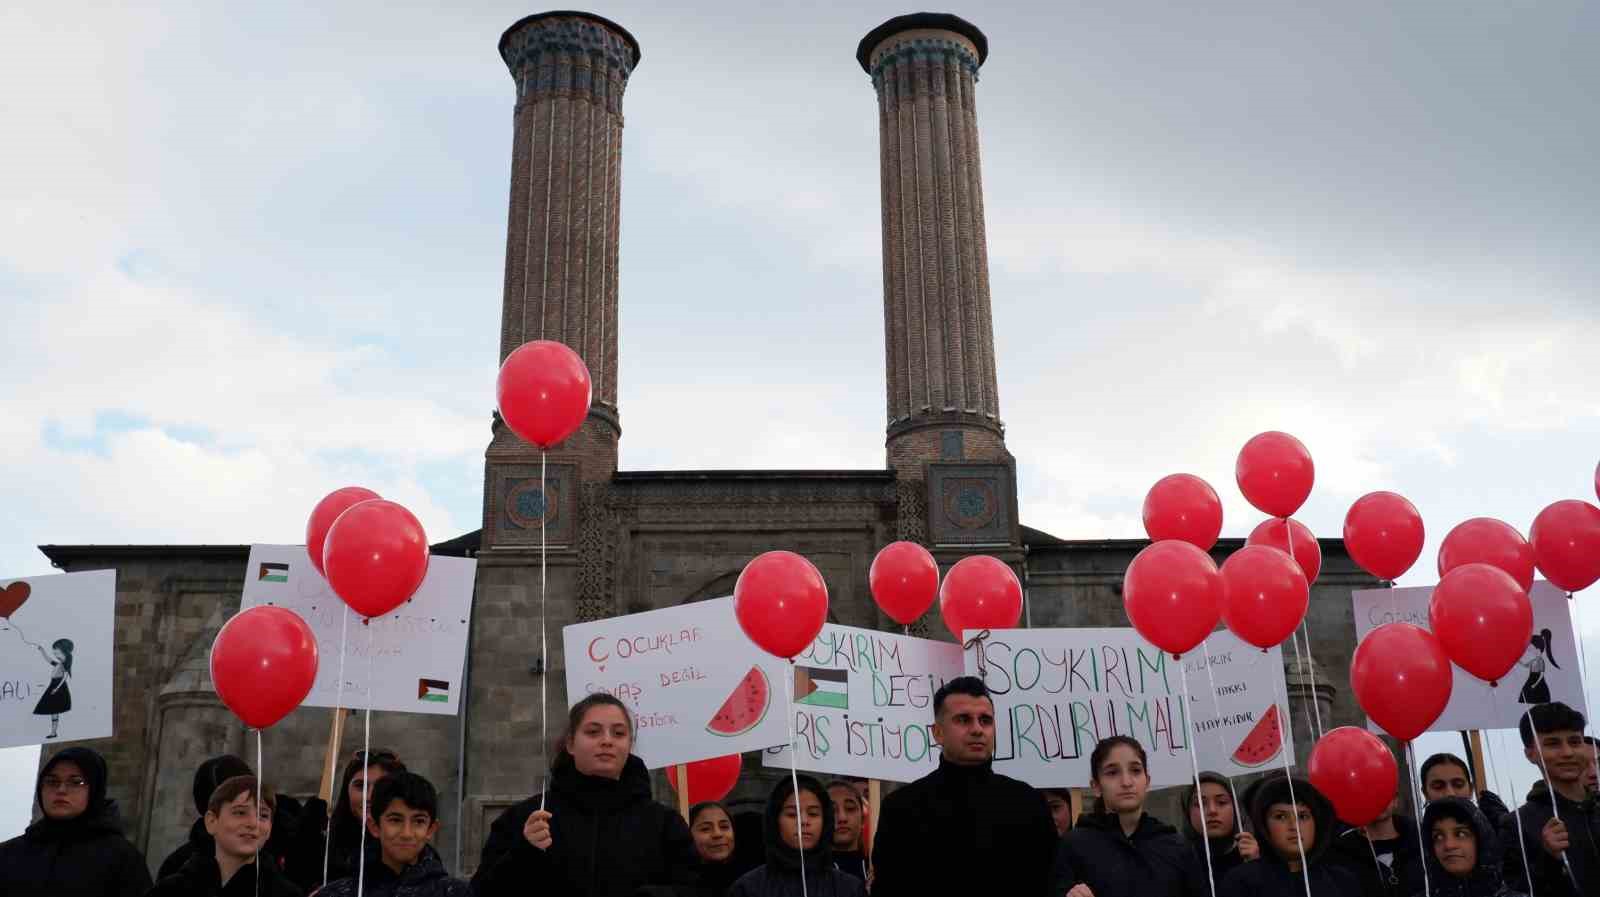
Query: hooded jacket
{"points": [[201, 876], [1154, 861], [1224, 851], [1549, 874], [85, 856], [609, 839], [424, 878], [964, 829], [1486, 879], [780, 876], [1271, 876], [1399, 878]]}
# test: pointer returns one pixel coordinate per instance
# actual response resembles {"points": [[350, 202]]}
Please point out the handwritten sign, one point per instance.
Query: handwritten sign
{"points": [[410, 660], [697, 685], [56, 663], [1057, 692], [1547, 671], [864, 704]]}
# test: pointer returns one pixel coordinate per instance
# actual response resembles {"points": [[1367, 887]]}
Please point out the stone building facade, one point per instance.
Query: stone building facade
{"points": [[622, 542]]}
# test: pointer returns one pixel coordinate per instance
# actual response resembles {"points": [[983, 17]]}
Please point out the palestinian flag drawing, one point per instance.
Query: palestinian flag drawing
{"points": [[433, 690], [822, 688], [274, 573]]}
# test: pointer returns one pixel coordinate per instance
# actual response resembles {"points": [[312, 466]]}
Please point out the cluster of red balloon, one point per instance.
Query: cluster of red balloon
{"points": [[979, 592]]}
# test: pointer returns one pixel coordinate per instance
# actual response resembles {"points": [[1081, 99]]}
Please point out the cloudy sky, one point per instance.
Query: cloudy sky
{"points": [[249, 254]]}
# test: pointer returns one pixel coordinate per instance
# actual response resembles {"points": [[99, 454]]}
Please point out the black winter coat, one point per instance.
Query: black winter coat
{"points": [[303, 861], [285, 822], [1401, 878], [1485, 880], [424, 878], [1550, 877], [200, 876], [85, 856], [964, 830], [1270, 876], [609, 839], [1154, 862], [779, 876]]}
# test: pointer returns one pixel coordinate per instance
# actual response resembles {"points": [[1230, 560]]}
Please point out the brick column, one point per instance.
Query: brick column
{"points": [[940, 340], [570, 69]]}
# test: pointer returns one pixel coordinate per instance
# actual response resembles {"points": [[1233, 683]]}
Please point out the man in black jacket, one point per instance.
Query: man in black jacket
{"points": [[77, 849], [1563, 853], [963, 828], [1385, 856]]}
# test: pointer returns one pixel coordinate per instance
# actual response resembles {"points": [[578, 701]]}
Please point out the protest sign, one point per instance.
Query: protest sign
{"points": [[864, 704], [1059, 691], [56, 661], [418, 650], [697, 685], [1547, 671]]}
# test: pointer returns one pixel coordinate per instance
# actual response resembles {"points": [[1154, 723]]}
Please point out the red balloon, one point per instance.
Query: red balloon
{"points": [[1264, 595], [1275, 473], [1482, 618], [1183, 506], [781, 602], [1484, 540], [1173, 594], [1307, 551], [325, 513], [1355, 771], [1566, 544], [543, 392], [1402, 678], [1383, 533], [980, 592], [904, 580], [708, 779], [375, 557], [263, 664]]}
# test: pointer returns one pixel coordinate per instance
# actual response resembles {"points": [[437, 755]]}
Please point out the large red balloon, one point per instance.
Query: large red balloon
{"points": [[1264, 595], [1275, 473], [1401, 678], [375, 557], [543, 392], [1482, 618], [1484, 540], [1183, 506], [1355, 771], [263, 664], [1173, 594], [1307, 552], [904, 580], [781, 602], [325, 513], [1566, 544], [980, 592], [1383, 533], [708, 779]]}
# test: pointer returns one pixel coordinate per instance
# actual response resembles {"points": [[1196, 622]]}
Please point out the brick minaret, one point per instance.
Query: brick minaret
{"points": [[945, 439], [570, 69]]}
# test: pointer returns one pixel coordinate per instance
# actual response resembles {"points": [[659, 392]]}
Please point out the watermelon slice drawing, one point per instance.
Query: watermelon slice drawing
{"points": [[745, 708], [1263, 743]]}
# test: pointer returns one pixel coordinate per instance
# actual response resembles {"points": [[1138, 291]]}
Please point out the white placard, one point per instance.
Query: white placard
{"points": [[56, 658], [1547, 671], [677, 669], [1057, 692], [864, 704], [417, 651]]}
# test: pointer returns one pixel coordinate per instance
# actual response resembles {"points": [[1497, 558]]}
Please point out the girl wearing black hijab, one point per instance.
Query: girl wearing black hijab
{"points": [[77, 848], [799, 833]]}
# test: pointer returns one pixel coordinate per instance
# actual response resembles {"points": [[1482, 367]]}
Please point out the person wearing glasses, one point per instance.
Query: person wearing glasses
{"points": [[336, 830], [76, 849]]}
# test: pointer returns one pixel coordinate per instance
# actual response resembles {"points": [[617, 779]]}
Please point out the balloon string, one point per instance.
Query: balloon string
{"points": [[338, 708], [544, 648], [1194, 763], [13, 625], [261, 776], [366, 784], [1583, 664], [1411, 760], [1555, 805], [1311, 667], [1495, 771], [1222, 748], [794, 780], [1299, 668], [1287, 719]]}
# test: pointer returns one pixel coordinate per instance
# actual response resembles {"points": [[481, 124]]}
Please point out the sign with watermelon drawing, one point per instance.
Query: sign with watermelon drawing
{"points": [[697, 685], [864, 704], [1059, 691]]}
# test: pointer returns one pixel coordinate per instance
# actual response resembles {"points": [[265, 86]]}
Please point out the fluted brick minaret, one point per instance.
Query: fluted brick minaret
{"points": [[570, 69], [940, 339]]}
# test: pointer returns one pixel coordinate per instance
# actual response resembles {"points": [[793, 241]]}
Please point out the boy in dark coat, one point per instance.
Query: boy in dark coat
{"points": [[1563, 854], [77, 848], [795, 820], [400, 860], [1290, 828], [1384, 856], [237, 822], [207, 777], [1463, 854]]}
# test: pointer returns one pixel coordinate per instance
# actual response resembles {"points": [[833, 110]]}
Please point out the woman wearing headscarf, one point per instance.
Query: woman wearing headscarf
{"points": [[77, 848], [1213, 823], [799, 838]]}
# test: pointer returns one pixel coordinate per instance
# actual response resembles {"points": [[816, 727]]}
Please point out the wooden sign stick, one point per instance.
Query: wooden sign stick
{"points": [[874, 810], [335, 734], [683, 791], [1479, 772]]}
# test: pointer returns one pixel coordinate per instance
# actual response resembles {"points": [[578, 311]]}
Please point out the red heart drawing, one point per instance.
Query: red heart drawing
{"points": [[12, 597]]}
